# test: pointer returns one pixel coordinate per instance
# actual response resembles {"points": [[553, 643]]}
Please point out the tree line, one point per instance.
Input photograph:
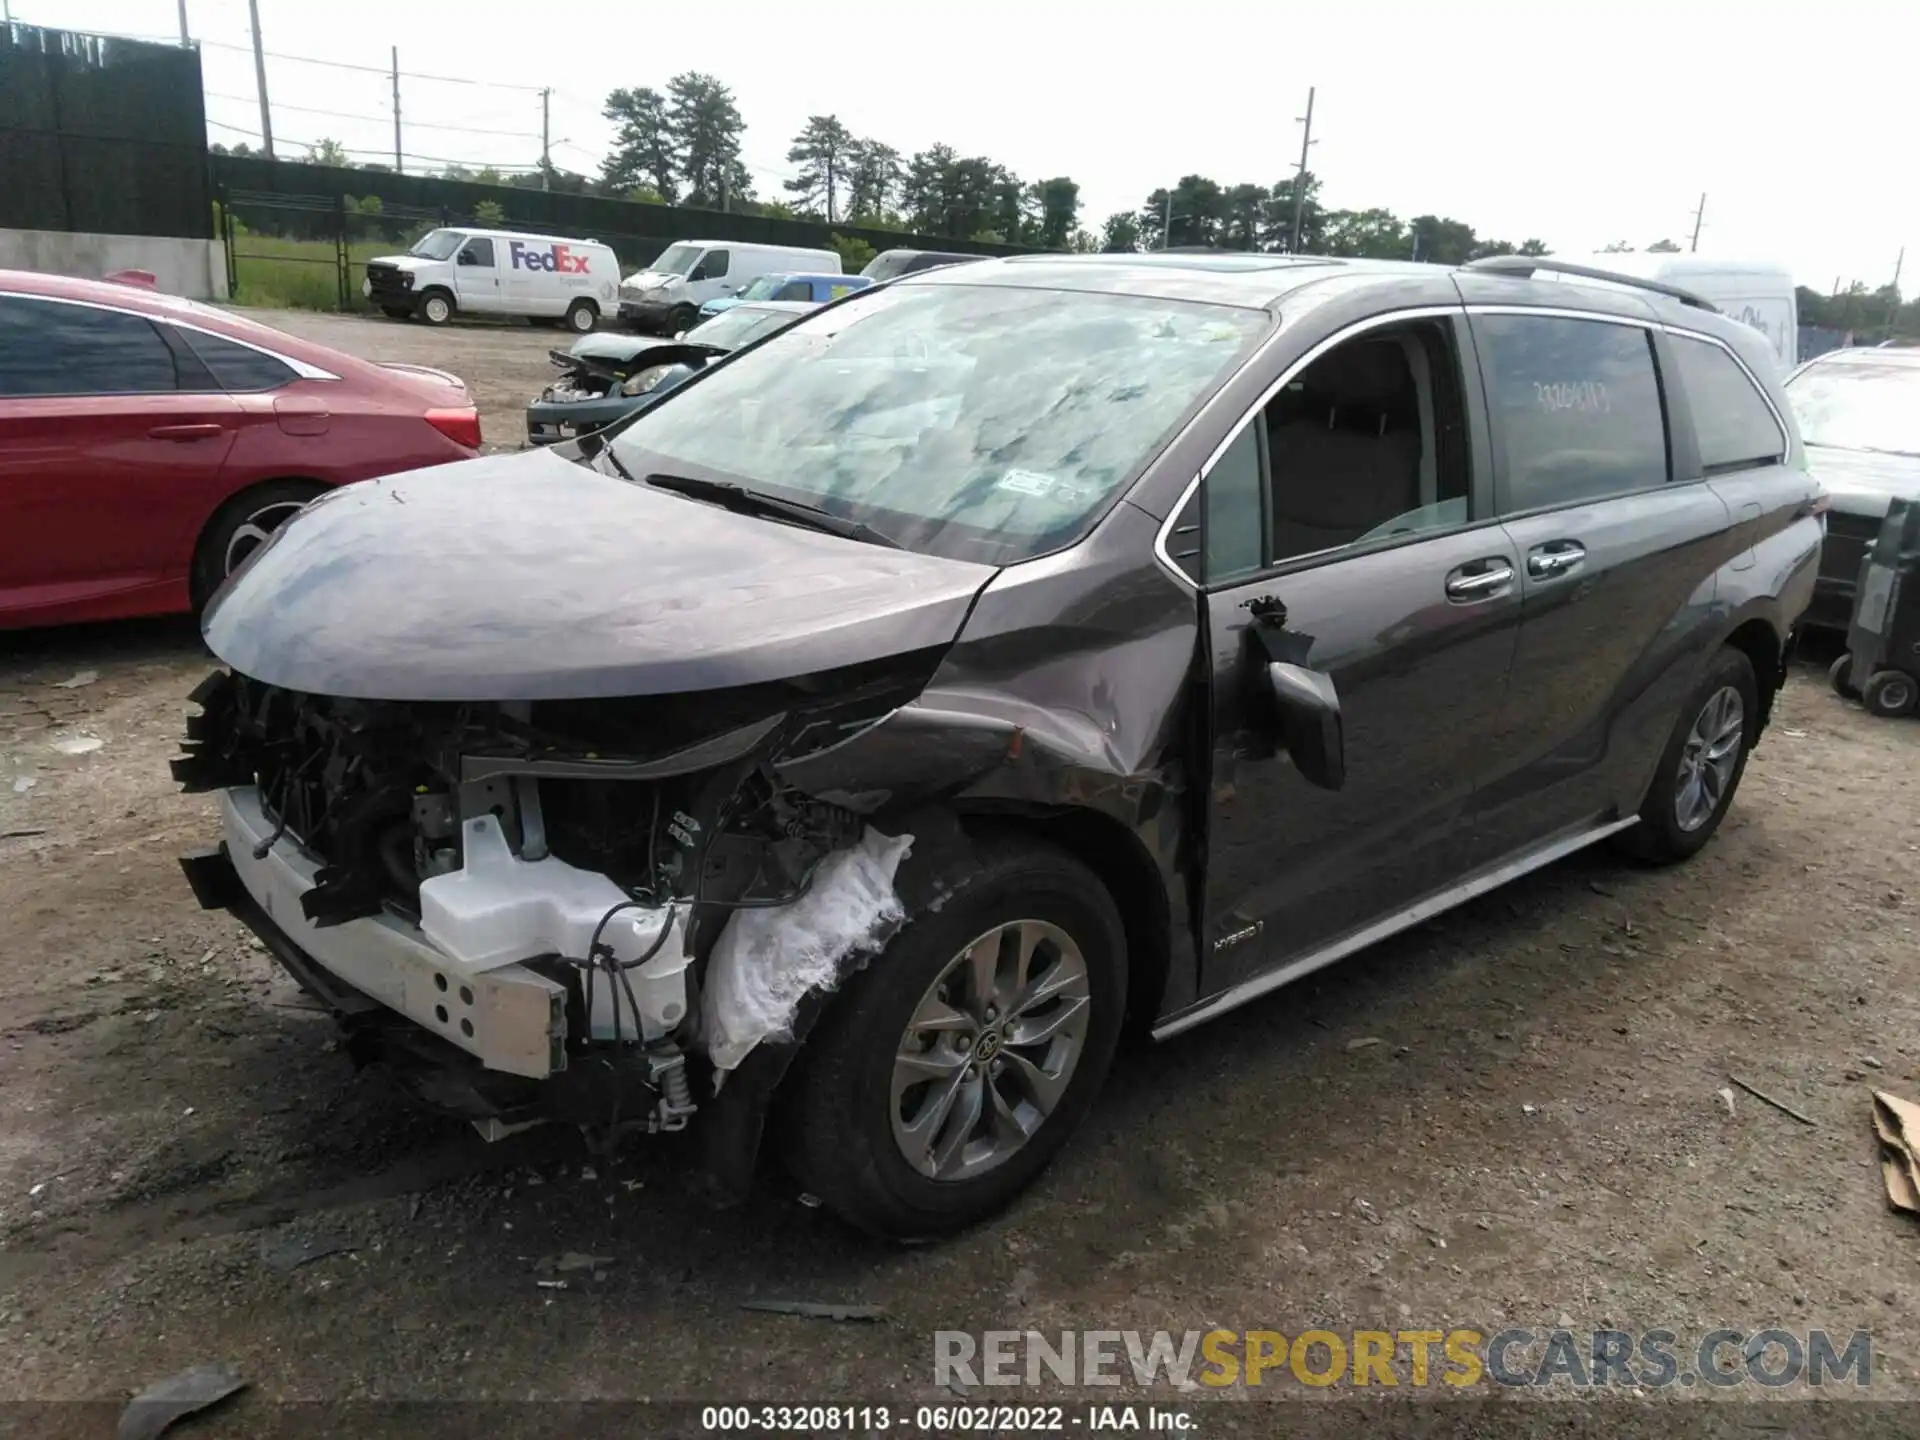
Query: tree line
{"points": [[682, 146]]}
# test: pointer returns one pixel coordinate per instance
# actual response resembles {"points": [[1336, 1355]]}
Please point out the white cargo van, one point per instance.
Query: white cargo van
{"points": [[497, 272], [1754, 292], [668, 294]]}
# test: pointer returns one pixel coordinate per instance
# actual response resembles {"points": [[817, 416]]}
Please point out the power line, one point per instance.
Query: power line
{"points": [[380, 70], [500, 165], [376, 119]]}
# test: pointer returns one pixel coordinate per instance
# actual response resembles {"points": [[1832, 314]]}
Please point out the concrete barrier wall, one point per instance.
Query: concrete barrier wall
{"points": [[194, 268]]}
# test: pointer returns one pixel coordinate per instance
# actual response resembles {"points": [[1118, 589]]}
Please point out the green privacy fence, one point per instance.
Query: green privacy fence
{"points": [[101, 135]]}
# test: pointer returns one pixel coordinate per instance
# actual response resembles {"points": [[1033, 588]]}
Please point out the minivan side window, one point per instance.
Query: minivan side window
{"points": [[477, 252], [51, 348], [712, 266], [1366, 444], [795, 290], [1735, 426], [1576, 408]]}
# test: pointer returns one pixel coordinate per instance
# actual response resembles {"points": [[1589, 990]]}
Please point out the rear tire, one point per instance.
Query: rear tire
{"points": [[435, 307], [1010, 1103], [1839, 676], [1700, 769], [241, 526], [582, 316], [1891, 693]]}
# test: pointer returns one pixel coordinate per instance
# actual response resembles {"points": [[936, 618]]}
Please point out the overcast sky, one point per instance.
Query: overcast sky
{"points": [[1581, 124]]}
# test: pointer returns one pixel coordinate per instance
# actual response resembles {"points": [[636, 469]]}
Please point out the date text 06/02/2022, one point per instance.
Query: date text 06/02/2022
{"points": [[956, 1419]]}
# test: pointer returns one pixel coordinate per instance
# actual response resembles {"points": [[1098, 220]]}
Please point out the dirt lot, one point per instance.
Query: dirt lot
{"points": [[1534, 1139]]}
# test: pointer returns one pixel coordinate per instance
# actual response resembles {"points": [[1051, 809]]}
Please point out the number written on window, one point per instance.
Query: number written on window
{"points": [[1577, 407]]}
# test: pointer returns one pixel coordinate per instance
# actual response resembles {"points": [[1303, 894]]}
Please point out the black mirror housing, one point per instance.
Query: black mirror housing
{"points": [[1308, 709]]}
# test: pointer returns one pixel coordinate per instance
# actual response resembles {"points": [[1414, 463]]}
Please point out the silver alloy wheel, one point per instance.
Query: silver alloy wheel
{"points": [[1708, 758], [990, 1049], [255, 531]]}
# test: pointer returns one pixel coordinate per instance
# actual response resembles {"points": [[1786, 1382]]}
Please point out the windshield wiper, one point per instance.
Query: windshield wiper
{"points": [[743, 501]]}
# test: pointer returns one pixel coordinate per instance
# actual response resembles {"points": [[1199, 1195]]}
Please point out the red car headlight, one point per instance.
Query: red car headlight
{"points": [[462, 426]]}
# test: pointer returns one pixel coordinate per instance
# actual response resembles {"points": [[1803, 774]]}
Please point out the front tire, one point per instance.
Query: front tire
{"points": [[1701, 766], [682, 317], [1891, 693], [435, 307], [952, 1069]]}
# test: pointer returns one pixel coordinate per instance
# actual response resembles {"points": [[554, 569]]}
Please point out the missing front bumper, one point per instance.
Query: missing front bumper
{"points": [[509, 1018]]}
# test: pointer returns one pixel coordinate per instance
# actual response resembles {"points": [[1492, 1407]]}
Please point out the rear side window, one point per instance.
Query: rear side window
{"points": [[235, 367], [51, 348], [1731, 418], [1577, 407], [795, 290]]}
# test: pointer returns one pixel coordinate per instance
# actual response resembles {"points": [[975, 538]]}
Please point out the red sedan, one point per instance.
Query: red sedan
{"points": [[149, 444]]}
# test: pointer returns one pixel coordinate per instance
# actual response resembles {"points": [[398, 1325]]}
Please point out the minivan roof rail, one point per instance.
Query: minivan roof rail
{"points": [[1521, 266]]}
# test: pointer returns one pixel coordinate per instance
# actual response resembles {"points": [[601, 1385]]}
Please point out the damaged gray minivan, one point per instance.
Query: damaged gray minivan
{"points": [[844, 749]]}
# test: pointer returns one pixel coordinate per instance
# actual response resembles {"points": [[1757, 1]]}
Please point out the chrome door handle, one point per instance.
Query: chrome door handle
{"points": [[1480, 584], [1547, 563]]}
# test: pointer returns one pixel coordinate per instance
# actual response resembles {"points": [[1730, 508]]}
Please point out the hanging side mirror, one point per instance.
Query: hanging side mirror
{"points": [[1308, 709]]}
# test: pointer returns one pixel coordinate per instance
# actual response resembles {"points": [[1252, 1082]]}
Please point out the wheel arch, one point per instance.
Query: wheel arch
{"points": [[733, 1127], [1121, 863], [1761, 641]]}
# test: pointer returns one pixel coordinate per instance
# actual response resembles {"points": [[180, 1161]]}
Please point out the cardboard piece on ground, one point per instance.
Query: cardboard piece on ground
{"points": [[1896, 1123]]}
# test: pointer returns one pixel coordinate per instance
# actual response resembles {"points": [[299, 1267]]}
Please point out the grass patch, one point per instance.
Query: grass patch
{"points": [[281, 274]]}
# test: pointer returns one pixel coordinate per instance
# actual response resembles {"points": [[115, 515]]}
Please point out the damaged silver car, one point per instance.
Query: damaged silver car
{"points": [[844, 749]]}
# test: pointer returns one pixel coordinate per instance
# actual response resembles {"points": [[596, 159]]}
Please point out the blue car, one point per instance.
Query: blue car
{"points": [[789, 285]]}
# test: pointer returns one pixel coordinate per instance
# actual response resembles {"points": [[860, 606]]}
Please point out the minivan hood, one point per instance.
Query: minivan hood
{"points": [[1862, 481], [404, 262], [534, 577], [651, 280]]}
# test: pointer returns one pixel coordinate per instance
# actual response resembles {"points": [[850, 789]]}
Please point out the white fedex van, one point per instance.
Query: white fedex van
{"points": [[496, 272], [1754, 292], [668, 294]]}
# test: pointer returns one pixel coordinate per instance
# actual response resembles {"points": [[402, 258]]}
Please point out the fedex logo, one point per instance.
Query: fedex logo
{"points": [[554, 258]]}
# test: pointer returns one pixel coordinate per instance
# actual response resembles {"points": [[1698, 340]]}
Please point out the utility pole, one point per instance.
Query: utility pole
{"points": [[1893, 306], [398, 168], [185, 43], [1698, 216], [1300, 175], [546, 120], [260, 78]]}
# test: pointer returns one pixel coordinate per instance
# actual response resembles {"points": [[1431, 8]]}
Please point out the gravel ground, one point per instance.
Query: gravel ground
{"points": [[1530, 1135]]}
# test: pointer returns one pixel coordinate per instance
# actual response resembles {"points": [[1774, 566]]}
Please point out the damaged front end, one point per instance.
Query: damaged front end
{"points": [[523, 909], [605, 378]]}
